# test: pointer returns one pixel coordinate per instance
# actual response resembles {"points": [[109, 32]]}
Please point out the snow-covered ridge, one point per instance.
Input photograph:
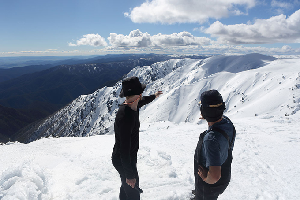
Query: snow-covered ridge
{"points": [[94, 114], [248, 84]]}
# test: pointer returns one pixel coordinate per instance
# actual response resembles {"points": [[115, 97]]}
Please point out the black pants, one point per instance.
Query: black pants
{"points": [[204, 191], [126, 191]]}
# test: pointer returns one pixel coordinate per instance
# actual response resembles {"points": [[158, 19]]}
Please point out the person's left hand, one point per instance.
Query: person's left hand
{"points": [[158, 93], [202, 172]]}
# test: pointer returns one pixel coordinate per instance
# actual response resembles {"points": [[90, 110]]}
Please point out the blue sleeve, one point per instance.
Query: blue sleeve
{"points": [[212, 153]]}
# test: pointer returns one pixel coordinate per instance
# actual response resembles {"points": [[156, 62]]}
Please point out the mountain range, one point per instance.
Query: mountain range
{"points": [[182, 81], [33, 96]]}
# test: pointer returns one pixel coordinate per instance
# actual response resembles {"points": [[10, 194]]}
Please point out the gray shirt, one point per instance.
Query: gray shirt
{"points": [[215, 145]]}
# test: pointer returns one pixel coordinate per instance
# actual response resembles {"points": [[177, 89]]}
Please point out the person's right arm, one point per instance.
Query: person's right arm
{"points": [[213, 162]]}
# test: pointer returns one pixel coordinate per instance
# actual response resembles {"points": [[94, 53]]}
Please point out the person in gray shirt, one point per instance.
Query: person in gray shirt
{"points": [[213, 154]]}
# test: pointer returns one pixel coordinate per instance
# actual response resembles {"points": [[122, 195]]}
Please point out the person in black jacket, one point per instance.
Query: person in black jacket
{"points": [[126, 127], [213, 154]]}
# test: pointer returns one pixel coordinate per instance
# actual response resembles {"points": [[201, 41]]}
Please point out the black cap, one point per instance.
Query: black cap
{"points": [[212, 105], [211, 98], [131, 86]]}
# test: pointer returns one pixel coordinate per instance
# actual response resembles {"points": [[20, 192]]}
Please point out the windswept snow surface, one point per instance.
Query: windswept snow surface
{"points": [[262, 97], [266, 164]]}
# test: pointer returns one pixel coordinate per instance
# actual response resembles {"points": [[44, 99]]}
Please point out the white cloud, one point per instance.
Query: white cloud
{"points": [[277, 29], [179, 39], [182, 11], [213, 48], [185, 43], [286, 48], [48, 52], [281, 4], [90, 39], [135, 39], [138, 39], [240, 49], [72, 45]]}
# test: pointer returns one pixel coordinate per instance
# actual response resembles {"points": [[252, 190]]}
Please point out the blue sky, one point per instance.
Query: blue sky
{"points": [[92, 27]]}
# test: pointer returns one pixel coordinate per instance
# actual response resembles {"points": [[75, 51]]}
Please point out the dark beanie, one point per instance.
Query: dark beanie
{"points": [[212, 105]]}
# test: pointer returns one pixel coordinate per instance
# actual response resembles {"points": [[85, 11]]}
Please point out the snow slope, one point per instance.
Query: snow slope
{"points": [[263, 91], [182, 81], [262, 97]]}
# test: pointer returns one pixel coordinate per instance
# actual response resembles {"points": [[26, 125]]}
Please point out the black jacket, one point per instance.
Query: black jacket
{"points": [[126, 127]]}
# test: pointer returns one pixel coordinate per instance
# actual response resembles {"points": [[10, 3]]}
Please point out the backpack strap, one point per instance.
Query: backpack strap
{"points": [[203, 134], [226, 136]]}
